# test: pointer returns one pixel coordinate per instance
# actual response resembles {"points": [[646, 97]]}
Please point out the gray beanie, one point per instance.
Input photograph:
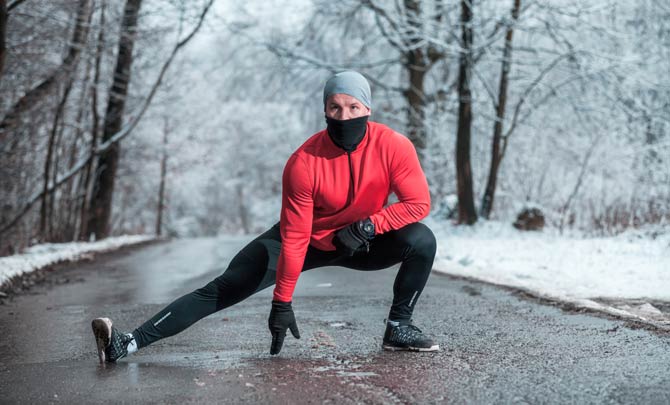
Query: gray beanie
{"points": [[350, 83]]}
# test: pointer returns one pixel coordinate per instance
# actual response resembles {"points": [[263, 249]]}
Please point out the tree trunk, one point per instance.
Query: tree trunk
{"points": [[416, 66], [466, 203], [64, 71], [161, 187], [416, 101], [3, 33], [47, 177], [103, 187], [44, 211], [70, 204], [55, 216], [496, 153], [95, 131]]}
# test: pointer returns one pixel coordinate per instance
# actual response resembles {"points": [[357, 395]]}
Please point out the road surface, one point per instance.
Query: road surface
{"points": [[496, 347]]}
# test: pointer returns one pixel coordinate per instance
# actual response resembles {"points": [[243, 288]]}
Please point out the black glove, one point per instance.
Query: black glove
{"points": [[348, 240], [281, 318]]}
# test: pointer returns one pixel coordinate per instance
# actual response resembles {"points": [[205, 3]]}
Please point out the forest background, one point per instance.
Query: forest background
{"points": [[176, 117]]}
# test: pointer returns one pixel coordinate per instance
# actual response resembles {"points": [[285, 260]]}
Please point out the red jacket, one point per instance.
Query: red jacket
{"points": [[317, 197]]}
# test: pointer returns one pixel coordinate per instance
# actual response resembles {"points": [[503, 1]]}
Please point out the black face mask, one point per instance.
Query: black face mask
{"points": [[347, 134]]}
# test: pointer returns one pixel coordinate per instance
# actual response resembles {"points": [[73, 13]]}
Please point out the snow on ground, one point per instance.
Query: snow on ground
{"points": [[588, 272], [39, 256]]}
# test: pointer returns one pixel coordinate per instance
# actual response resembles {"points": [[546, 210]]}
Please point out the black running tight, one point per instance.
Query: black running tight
{"points": [[254, 269]]}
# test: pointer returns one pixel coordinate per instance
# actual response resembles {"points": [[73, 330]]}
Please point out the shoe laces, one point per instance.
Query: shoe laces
{"points": [[413, 328], [410, 330], [407, 333], [118, 344]]}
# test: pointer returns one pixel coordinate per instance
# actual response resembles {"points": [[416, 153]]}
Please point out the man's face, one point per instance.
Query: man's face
{"points": [[345, 107]]}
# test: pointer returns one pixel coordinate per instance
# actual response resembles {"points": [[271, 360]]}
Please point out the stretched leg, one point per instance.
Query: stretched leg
{"points": [[414, 247], [251, 270]]}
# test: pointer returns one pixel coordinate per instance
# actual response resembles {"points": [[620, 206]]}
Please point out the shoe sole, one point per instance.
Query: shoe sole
{"points": [[102, 330], [433, 348]]}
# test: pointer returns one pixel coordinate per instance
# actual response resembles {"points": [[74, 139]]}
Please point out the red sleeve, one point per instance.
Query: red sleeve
{"points": [[295, 226], [409, 184]]}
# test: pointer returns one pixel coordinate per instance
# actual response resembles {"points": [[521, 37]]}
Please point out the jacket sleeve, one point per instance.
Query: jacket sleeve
{"points": [[409, 184], [295, 226]]}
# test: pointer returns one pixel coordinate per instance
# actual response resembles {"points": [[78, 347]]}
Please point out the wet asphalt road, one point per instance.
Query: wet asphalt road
{"points": [[496, 348]]}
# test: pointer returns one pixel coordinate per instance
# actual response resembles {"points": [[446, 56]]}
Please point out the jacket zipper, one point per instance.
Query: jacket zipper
{"points": [[351, 177], [352, 193]]}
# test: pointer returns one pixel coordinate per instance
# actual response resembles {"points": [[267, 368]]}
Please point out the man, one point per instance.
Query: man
{"points": [[334, 213]]}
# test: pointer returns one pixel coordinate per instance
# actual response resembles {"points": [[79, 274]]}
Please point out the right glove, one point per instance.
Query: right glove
{"points": [[281, 318], [350, 239]]}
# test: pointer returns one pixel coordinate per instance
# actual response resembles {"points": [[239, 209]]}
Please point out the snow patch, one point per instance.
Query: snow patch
{"points": [[40, 256], [569, 268]]}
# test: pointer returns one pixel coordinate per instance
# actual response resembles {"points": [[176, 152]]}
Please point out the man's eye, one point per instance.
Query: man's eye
{"points": [[354, 107]]}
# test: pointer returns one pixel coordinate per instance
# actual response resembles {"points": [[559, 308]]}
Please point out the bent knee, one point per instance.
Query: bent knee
{"points": [[421, 239]]}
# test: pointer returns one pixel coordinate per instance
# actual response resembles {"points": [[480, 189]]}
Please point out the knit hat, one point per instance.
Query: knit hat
{"points": [[350, 83]]}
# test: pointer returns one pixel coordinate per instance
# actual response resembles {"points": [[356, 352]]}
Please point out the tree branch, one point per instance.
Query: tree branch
{"points": [[284, 52], [487, 87], [397, 45], [379, 11], [580, 177], [531, 87], [14, 5], [37, 93]]}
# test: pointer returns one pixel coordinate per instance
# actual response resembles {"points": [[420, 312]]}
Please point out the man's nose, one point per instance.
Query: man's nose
{"points": [[345, 114]]}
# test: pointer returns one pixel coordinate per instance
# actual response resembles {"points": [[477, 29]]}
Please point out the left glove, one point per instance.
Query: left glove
{"points": [[350, 239], [281, 318]]}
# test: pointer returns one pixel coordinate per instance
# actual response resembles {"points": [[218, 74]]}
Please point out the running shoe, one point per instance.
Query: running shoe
{"points": [[112, 344], [407, 337]]}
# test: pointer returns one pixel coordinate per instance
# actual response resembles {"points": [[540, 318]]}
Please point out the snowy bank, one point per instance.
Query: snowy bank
{"points": [[588, 272], [40, 256]]}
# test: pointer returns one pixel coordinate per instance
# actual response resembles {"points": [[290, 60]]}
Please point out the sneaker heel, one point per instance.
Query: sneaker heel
{"points": [[102, 332]]}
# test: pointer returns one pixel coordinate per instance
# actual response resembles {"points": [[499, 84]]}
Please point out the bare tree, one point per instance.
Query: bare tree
{"points": [[103, 188], [44, 212], [466, 204], [496, 151], [418, 56], [71, 201], [87, 183]]}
